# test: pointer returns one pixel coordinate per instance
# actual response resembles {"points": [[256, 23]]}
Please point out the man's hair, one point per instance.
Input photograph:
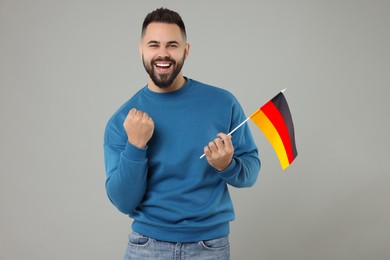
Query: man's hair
{"points": [[164, 15]]}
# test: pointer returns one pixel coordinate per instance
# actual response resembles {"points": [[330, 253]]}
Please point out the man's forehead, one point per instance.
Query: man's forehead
{"points": [[163, 31]]}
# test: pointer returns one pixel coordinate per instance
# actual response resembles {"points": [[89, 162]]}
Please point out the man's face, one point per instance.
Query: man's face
{"points": [[163, 51]]}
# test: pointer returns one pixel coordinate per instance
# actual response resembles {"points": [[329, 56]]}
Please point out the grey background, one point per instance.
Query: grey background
{"points": [[66, 66]]}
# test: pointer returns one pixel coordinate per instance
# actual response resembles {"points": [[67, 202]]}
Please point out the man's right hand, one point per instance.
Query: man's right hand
{"points": [[139, 127]]}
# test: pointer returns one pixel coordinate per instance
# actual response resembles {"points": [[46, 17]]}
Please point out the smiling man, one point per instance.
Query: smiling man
{"points": [[164, 49], [180, 204]]}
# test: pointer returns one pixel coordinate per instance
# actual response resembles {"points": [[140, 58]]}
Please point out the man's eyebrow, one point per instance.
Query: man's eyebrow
{"points": [[157, 42], [153, 42], [173, 42]]}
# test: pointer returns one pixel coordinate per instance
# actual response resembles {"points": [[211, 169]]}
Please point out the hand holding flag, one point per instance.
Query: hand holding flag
{"points": [[275, 121]]}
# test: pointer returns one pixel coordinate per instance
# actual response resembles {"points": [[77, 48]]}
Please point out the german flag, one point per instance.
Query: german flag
{"points": [[274, 119]]}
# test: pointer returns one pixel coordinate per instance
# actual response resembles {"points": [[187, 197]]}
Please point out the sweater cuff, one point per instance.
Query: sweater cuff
{"points": [[134, 153], [230, 170]]}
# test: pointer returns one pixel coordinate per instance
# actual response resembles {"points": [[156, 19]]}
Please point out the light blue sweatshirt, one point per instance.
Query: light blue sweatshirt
{"points": [[171, 194]]}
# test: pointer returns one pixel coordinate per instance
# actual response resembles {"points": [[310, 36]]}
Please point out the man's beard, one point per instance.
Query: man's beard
{"points": [[163, 80]]}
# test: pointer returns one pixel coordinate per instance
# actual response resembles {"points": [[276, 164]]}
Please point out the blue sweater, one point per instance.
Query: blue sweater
{"points": [[171, 194]]}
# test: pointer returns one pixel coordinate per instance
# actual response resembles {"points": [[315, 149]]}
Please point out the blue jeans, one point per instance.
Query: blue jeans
{"points": [[144, 248]]}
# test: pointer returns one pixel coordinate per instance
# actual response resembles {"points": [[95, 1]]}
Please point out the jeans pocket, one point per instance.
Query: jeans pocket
{"points": [[136, 239], [216, 244]]}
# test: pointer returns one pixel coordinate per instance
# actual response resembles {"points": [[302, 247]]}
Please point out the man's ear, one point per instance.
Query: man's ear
{"points": [[187, 50], [140, 49]]}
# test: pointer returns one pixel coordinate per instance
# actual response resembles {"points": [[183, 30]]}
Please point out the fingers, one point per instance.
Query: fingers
{"points": [[219, 152], [226, 139], [139, 127], [138, 117], [138, 114], [222, 144]]}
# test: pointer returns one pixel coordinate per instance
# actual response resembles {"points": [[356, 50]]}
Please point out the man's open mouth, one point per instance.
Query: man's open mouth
{"points": [[163, 65]]}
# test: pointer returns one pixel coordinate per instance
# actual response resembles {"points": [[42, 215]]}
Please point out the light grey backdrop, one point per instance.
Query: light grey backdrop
{"points": [[66, 66]]}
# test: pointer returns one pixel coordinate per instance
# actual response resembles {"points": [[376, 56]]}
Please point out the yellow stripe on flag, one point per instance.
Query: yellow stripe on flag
{"points": [[262, 121]]}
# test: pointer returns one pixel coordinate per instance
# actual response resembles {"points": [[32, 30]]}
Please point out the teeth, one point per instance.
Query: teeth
{"points": [[163, 65]]}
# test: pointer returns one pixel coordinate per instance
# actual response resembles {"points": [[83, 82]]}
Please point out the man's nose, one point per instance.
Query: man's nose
{"points": [[163, 52]]}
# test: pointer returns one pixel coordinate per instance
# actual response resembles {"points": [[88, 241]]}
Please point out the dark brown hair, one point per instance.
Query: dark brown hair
{"points": [[164, 15]]}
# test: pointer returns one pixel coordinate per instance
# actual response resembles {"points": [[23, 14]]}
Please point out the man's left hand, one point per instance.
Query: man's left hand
{"points": [[219, 152]]}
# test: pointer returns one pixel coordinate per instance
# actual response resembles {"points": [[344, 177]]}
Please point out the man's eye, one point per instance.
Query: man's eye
{"points": [[153, 45]]}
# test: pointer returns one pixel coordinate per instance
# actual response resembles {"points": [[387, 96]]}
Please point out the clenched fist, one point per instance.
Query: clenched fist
{"points": [[139, 127]]}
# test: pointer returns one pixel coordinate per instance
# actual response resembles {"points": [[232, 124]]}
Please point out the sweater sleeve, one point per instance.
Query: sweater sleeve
{"points": [[126, 171], [242, 171], [245, 166]]}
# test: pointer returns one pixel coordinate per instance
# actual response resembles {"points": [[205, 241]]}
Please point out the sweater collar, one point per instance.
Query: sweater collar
{"points": [[169, 95]]}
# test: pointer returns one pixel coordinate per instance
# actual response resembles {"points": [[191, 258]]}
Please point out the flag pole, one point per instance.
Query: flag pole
{"points": [[243, 122]]}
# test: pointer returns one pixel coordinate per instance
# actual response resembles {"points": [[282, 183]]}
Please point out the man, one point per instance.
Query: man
{"points": [[180, 203]]}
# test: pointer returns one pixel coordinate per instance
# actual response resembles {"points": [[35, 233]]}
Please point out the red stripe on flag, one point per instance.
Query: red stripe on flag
{"points": [[276, 118]]}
